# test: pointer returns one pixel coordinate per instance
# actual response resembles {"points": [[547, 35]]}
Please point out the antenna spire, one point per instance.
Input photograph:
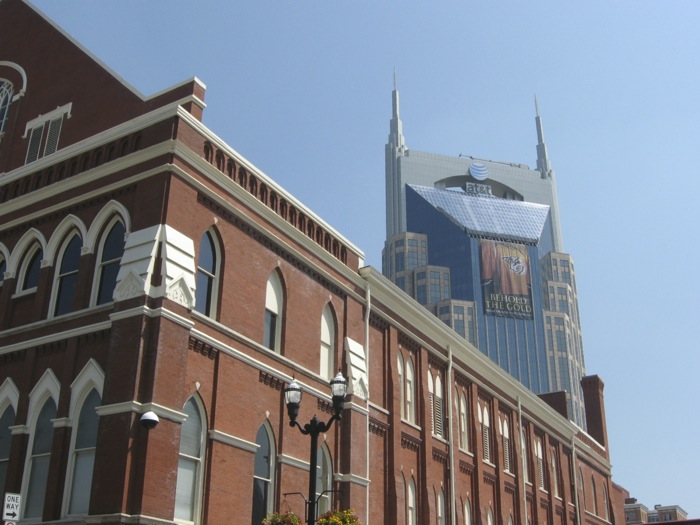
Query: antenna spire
{"points": [[395, 126], [543, 165]]}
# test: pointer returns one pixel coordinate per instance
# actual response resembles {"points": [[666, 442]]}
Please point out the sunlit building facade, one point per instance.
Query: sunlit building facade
{"points": [[159, 292]]}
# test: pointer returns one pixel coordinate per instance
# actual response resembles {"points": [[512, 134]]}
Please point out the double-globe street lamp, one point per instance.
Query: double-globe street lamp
{"points": [[292, 397]]}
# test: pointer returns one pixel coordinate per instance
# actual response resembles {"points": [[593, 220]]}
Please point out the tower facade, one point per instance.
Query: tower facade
{"points": [[478, 243]]}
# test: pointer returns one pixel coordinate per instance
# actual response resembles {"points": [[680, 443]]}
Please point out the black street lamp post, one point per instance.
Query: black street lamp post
{"points": [[292, 397]]}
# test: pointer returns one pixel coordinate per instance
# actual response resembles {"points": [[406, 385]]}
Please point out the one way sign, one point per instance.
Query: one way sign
{"points": [[12, 507]]}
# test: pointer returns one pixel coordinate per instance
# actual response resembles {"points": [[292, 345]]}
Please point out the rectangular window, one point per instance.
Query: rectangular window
{"points": [[422, 294], [399, 262]]}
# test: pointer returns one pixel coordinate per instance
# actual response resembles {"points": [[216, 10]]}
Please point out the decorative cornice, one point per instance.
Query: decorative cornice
{"points": [[439, 456], [324, 406], [49, 339], [271, 380], [74, 209], [436, 362], [466, 468], [203, 348], [408, 343], [375, 321], [410, 442], [489, 479], [378, 428], [14, 357]]}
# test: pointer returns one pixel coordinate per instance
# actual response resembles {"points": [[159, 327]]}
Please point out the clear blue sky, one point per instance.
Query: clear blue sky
{"points": [[303, 90]]}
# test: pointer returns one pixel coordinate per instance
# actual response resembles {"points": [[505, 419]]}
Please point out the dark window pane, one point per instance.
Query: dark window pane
{"points": [[114, 243], [87, 424], [71, 257], [31, 277], [66, 294], [205, 284], [108, 280], [270, 329], [191, 433], [207, 255]]}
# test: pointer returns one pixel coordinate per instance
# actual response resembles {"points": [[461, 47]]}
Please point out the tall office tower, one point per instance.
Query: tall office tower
{"points": [[478, 243]]}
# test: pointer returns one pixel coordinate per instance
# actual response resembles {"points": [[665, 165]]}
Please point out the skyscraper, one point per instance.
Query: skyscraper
{"points": [[478, 242]]}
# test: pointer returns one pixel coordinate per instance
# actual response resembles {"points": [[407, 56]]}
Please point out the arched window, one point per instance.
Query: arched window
{"points": [[594, 495], [39, 458], [5, 100], [411, 502], [324, 480], [606, 509], [29, 273], [7, 419], [540, 464], [263, 487], [467, 512], [440, 507], [410, 392], [67, 277], [207, 276], [274, 304], [431, 401], [190, 464], [486, 433], [489, 517], [402, 390], [439, 428], [327, 366], [463, 422], [506, 446], [110, 256], [555, 472], [83, 455], [583, 488]]}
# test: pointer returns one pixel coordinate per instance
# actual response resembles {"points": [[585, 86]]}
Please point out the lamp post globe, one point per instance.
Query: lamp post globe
{"points": [[292, 398]]}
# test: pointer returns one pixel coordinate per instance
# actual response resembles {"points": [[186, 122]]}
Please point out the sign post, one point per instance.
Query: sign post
{"points": [[12, 508]]}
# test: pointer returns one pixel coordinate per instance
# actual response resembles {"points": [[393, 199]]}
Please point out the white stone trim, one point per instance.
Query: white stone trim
{"points": [[228, 439]]}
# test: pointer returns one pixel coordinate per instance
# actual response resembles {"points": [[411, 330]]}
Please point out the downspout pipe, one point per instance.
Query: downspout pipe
{"points": [[368, 304], [574, 473], [523, 458], [450, 443]]}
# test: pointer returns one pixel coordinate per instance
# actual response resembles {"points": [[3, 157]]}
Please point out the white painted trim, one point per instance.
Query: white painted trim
{"points": [[228, 439], [22, 73], [352, 478], [97, 327], [141, 408], [293, 462], [42, 119]]}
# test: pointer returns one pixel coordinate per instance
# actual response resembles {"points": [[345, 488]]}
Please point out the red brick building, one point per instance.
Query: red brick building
{"points": [[146, 266]]}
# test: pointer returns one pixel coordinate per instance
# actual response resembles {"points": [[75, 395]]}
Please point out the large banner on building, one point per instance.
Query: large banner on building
{"points": [[505, 279]]}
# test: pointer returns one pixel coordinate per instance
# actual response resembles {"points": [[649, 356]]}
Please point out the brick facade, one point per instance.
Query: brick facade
{"points": [[151, 165]]}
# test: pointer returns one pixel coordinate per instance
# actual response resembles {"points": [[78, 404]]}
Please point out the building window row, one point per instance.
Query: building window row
{"points": [[209, 291], [85, 398], [64, 252]]}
